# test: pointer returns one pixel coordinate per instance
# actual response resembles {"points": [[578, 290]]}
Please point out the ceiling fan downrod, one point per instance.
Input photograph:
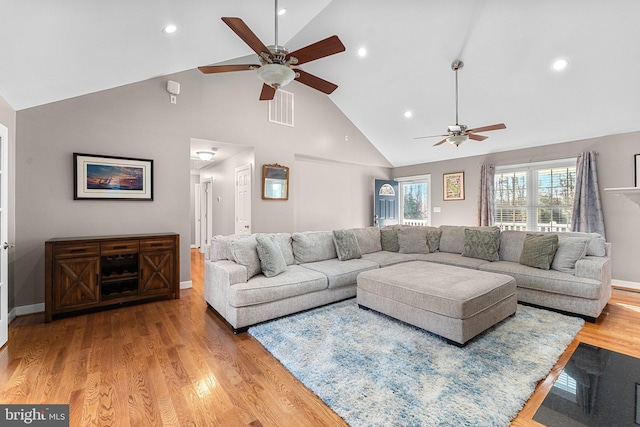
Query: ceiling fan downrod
{"points": [[455, 66]]}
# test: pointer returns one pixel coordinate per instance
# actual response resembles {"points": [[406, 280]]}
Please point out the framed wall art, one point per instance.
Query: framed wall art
{"points": [[453, 186], [109, 177], [637, 182]]}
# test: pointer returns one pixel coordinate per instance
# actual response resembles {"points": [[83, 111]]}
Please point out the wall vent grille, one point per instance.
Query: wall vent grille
{"points": [[281, 108]]}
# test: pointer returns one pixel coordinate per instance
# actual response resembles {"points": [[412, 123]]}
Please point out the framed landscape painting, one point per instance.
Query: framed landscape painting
{"points": [[453, 186], [109, 177]]}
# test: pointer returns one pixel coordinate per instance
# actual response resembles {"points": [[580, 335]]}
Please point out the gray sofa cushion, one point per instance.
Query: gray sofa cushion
{"points": [[456, 260], [452, 239], [482, 243], [511, 242], [389, 239], [341, 273], [538, 250], [413, 240], [271, 259], [368, 239], [346, 245], [384, 258], [312, 246], [295, 280], [284, 240], [546, 280], [570, 250], [245, 252]]}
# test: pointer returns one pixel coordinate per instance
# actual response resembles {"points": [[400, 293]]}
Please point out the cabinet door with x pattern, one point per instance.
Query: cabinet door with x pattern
{"points": [[156, 266], [77, 281]]}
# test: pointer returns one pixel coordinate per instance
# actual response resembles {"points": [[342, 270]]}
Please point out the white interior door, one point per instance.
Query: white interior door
{"points": [[243, 200], [4, 228]]}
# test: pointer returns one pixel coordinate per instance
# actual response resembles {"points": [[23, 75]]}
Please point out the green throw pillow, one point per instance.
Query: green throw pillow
{"points": [[538, 250], [271, 259], [482, 243], [346, 244], [389, 239]]}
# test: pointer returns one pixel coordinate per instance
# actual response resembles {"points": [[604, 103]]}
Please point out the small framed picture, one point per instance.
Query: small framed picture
{"points": [[453, 186], [637, 182], [109, 177]]}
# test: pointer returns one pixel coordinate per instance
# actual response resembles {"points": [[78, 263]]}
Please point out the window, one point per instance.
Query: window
{"points": [[536, 196], [415, 200]]}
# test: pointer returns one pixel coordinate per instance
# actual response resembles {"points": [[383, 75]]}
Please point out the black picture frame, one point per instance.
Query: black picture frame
{"points": [[100, 177]]}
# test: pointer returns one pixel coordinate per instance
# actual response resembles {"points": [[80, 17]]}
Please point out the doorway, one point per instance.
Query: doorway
{"points": [[206, 216], [4, 230]]}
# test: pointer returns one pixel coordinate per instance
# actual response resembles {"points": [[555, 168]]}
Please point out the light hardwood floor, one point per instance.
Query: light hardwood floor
{"points": [[175, 363]]}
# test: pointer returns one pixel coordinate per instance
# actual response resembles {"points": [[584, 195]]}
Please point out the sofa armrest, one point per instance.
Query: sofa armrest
{"points": [[230, 272], [595, 268]]}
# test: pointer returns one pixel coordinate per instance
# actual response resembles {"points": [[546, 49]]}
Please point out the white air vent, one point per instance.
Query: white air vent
{"points": [[281, 108]]}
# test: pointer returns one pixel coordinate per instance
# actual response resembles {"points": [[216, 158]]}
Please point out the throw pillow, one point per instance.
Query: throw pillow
{"points": [[482, 243], [271, 259], [538, 250], [570, 250], [433, 239], [245, 253], [389, 239], [413, 240], [346, 244]]}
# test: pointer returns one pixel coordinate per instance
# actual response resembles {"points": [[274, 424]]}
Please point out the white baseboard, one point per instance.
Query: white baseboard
{"points": [[188, 284], [194, 246], [625, 284]]}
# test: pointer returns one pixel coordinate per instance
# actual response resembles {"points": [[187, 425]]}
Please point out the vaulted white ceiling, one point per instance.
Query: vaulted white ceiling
{"points": [[56, 50]]}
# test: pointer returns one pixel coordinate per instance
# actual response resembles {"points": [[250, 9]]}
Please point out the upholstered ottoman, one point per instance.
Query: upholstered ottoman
{"points": [[455, 303]]}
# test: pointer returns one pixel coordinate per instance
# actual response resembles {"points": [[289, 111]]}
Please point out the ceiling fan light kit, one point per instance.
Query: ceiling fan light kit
{"points": [[276, 63], [457, 134]]}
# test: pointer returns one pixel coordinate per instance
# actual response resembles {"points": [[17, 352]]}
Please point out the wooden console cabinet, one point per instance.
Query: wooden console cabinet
{"points": [[92, 272]]}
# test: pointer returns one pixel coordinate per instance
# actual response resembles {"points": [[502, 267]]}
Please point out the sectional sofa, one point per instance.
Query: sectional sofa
{"points": [[246, 285]]}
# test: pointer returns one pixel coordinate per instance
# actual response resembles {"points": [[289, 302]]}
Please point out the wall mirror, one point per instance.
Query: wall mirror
{"points": [[275, 182]]}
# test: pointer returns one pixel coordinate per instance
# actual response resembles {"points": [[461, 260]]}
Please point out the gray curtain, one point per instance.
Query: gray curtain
{"points": [[485, 214], [587, 209]]}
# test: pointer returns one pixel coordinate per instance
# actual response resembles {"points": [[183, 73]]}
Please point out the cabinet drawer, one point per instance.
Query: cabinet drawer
{"points": [[76, 249], [120, 247], [156, 244]]}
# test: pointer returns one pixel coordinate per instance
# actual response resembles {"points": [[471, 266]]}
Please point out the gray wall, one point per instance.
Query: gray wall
{"points": [[615, 163], [137, 120], [8, 119]]}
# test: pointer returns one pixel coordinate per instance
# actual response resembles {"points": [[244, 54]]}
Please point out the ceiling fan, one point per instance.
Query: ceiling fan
{"points": [[457, 134], [276, 63]]}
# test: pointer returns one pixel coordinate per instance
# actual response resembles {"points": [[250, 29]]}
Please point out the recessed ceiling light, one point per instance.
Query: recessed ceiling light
{"points": [[408, 114], [362, 52], [169, 29], [559, 64], [282, 12]]}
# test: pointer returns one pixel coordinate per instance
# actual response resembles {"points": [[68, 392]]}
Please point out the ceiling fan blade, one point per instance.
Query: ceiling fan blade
{"points": [[440, 143], [315, 82], [431, 136], [267, 93], [488, 128], [477, 137], [329, 46], [209, 69], [244, 32]]}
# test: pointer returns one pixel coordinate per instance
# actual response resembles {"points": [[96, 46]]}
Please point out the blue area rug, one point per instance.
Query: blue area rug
{"points": [[373, 370]]}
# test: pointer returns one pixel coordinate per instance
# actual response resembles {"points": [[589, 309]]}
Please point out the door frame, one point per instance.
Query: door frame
{"points": [[4, 231], [196, 209], [206, 215]]}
